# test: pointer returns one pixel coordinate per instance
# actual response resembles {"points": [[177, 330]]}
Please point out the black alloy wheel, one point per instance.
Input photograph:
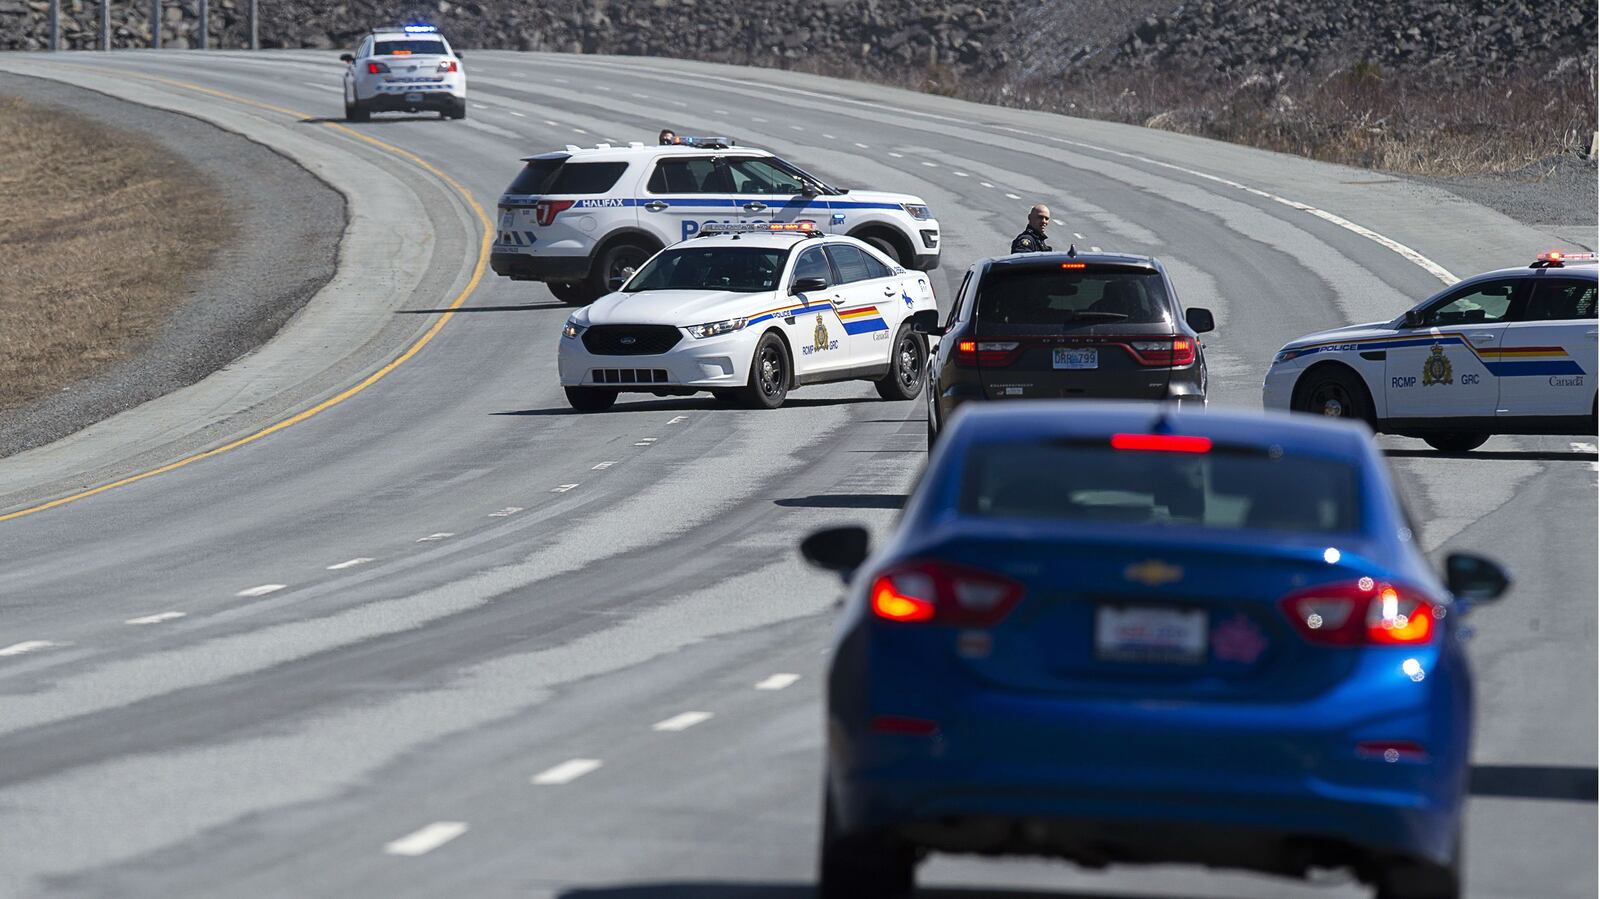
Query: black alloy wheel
{"points": [[769, 374], [614, 267], [1335, 393], [906, 363]]}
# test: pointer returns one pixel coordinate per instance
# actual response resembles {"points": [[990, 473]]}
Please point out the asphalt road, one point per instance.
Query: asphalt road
{"points": [[508, 650]]}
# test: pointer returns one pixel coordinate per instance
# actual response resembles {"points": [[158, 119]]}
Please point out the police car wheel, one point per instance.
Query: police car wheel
{"points": [[354, 112], [906, 362], [590, 399], [1455, 442], [1334, 392], [456, 110], [769, 374], [573, 293], [884, 246], [614, 265]]}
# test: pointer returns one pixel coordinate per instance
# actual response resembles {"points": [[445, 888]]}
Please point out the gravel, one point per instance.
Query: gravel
{"points": [[1561, 194], [238, 303]]}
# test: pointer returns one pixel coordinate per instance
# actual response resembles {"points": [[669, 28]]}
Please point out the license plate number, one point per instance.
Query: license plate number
{"points": [[1163, 634], [413, 98], [1063, 358]]}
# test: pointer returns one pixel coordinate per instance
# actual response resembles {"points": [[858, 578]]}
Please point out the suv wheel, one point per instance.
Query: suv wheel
{"points": [[611, 268], [573, 293], [907, 360], [886, 247], [769, 374], [590, 399]]}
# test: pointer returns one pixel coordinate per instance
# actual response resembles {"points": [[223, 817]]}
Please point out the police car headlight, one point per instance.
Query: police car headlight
{"points": [[571, 329], [916, 210], [712, 329], [1285, 356]]}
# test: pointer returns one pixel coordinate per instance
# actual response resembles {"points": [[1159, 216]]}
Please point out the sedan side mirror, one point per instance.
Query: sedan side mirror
{"points": [[926, 321], [840, 550], [345, 57], [806, 285], [1474, 578], [1200, 320], [1413, 318], [460, 55]]}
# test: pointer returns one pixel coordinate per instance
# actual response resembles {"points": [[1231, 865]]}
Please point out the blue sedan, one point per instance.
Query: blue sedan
{"points": [[1133, 634]]}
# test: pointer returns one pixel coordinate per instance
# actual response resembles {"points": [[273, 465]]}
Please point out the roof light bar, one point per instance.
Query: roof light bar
{"points": [[419, 29], [1557, 259], [761, 227]]}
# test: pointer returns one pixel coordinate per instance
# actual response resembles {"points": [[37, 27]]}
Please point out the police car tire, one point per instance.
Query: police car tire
{"points": [[599, 282], [1338, 381], [457, 110], [893, 385], [1455, 442], [590, 399], [573, 293], [355, 112], [767, 389]]}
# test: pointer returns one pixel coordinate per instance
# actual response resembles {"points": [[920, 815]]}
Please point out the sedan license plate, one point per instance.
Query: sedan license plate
{"points": [[1065, 358], [1163, 634], [413, 98]]}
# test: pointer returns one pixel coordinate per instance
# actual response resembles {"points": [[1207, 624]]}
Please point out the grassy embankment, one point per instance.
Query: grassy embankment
{"points": [[104, 230]]}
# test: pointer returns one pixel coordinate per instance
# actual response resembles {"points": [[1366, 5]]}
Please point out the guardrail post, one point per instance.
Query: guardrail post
{"points": [[105, 24], [155, 24], [205, 24], [55, 25], [255, 22]]}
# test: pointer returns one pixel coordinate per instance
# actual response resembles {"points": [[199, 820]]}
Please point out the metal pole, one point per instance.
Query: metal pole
{"points": [[105, 24], [155, 24], [255, 22], [205, 24], [55, 25]]}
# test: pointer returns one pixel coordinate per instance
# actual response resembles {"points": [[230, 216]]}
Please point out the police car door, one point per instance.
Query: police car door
{"points": [[814, 329], [1443, 368], [871, 303], [1547, 356], [685, 192]]}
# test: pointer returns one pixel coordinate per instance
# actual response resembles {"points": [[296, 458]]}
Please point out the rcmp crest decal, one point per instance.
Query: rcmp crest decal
{"points": [[820, 336], [1436, 369]]}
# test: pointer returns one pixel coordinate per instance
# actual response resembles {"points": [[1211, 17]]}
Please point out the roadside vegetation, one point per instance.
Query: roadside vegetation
{"points": [[104, 231]]}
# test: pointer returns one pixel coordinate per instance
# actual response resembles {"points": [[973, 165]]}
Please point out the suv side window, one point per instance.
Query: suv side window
{"points": [[683, 176], [813, 264], [851, 262], [1484, 302], [758, 176], [1559, 299]]}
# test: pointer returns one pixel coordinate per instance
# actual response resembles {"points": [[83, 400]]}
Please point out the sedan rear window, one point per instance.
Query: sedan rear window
{"points": [[410, 48], [1224, 489], [1061, 296], [558, 176]]}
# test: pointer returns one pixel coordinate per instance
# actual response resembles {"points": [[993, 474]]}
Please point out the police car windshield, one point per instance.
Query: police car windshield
{"points": [[1054, 295], [409, 48], [1088, 481], [741, 269]]}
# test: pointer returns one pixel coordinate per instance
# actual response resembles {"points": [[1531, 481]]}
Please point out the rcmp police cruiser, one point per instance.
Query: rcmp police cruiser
{"points": [[580, 219], [1505, 352]]}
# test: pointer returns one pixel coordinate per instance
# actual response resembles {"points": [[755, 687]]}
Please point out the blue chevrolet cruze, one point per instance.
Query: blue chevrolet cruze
{"points": [[1132, 634]]}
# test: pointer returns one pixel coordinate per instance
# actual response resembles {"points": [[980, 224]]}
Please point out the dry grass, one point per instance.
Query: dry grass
{"points": [[104, 230]]}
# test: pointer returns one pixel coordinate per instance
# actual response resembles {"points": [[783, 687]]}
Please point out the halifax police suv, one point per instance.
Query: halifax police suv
{"points": [[579, 219], [1506, 352], [406, 69]]}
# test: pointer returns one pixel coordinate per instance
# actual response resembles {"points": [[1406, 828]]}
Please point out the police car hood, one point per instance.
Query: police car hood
{"points": [[676, 307], [1366, 331], [877, 196]]}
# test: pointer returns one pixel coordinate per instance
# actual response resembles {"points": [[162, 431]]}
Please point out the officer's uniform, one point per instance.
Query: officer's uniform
{"points": [[1030, 241]]}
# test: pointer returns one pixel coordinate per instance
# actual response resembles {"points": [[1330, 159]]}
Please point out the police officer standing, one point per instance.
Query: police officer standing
{"points": [[1032, 239]]}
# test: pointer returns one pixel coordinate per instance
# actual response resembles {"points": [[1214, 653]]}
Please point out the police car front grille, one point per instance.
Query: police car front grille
{"points": [[629, 376], [630, 340]]}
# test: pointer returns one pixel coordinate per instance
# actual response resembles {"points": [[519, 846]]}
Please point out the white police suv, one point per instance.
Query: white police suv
{"points": [[748, 312], [579, 218], [410, 68], [1506, 352]]}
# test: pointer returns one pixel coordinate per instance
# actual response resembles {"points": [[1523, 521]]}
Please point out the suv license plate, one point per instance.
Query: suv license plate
{"points": [[1162, 634], [413, 98], [1063, 358]]}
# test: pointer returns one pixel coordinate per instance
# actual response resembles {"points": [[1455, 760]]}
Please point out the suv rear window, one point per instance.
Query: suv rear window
{"points": [[1222, 489], [1056, 296], [558, 176]]}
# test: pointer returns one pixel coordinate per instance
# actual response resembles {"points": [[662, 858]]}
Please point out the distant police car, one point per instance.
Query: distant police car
{"points": [[579, 218], [1506, 352], [748, 312], [406, 69]]}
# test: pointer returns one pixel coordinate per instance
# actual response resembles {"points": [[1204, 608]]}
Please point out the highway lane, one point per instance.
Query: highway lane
{"points": [[275, 744]]}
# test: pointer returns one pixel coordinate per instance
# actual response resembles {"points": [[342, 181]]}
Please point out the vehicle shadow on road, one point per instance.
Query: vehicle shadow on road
{"points": [[525, 307], [844, 501], [693, 403], [704, 890], [1496, 455], [341, 120], [1570, 782]]}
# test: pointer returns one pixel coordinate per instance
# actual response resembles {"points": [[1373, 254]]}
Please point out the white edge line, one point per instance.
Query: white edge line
{"points": [[262, 590]]}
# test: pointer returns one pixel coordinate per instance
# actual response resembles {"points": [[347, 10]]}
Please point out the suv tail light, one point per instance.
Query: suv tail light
{"points": [[377, 68], [986, 353], [545, 211], [1166, 352], [1361, 613], [943, 594]]}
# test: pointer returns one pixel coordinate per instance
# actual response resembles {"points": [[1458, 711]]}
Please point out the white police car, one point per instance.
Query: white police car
{"points": [[1506, 352], [749, 311], [410, 68], [578, 218]]}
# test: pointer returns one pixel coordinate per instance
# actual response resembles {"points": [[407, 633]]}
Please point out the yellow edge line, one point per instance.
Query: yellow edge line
{"points": [[484, 246]]}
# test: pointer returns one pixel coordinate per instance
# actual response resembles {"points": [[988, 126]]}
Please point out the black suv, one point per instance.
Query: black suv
{"points": [[1065, 325]]}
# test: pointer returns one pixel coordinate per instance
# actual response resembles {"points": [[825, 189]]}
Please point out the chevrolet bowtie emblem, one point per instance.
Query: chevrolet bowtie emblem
{"points": [[1153, 573]]}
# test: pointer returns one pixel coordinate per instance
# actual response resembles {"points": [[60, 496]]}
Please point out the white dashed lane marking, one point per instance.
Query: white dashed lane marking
{"points": [[898, 155], [986, 184], [562, 488], [682, 722], [479, 106], [1077, 235], [777, 682], [566, 772], [796, 128], [552, 124], [960, 174], [262, 590], [931, 165], [579, 131], [507, 512], [435, 538], [156, 618], [719, 112], [678, 419], [349, 563], [603, 466], [1013, 196], [863, 146], [519, 115], [427, 839], [17, 649], [645, 441]]}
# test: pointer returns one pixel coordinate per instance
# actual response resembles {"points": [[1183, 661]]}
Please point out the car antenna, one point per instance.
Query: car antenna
{"points": [[1072, 249]]}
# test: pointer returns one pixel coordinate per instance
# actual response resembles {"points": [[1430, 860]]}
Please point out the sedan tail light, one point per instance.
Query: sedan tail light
{"points": [[448, 65], [943, 594], [376, 68], [1361, 613], [986, 353]]}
